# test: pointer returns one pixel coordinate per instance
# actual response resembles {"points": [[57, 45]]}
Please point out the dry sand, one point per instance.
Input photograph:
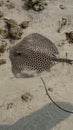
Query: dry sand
{"points": [[39, 113]]}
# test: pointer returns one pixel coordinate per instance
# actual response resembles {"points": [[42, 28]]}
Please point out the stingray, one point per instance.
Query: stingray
{"points": [[33, 55]]}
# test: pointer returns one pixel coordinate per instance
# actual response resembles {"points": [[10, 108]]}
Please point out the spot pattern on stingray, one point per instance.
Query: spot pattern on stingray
{"points": [[32, 53]]}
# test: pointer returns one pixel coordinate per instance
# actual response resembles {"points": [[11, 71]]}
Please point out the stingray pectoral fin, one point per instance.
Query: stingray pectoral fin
{"points": [[27, 74]]}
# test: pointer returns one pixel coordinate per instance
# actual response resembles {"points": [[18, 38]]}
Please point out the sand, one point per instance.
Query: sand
{"points": [[39, 113]]}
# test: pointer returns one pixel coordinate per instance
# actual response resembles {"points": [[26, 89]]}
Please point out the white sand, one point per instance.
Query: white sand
{"points": [[60, 78]]}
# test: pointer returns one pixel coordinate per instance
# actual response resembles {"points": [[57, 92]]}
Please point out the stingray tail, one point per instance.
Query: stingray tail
{"points": [[63, 60]]}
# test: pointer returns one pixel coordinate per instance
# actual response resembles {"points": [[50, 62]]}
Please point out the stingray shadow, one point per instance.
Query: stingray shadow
{"points": [[44, 119]]}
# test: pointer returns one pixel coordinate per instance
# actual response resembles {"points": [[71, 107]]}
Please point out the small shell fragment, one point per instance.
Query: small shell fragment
{"points": [[2, 61]]}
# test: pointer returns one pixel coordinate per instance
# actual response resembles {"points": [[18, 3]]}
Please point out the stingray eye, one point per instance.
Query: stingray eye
{"points": [[17, 53]]}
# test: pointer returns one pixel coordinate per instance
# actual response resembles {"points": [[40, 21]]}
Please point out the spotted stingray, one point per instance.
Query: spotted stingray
{"points": [[33, 55]]}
